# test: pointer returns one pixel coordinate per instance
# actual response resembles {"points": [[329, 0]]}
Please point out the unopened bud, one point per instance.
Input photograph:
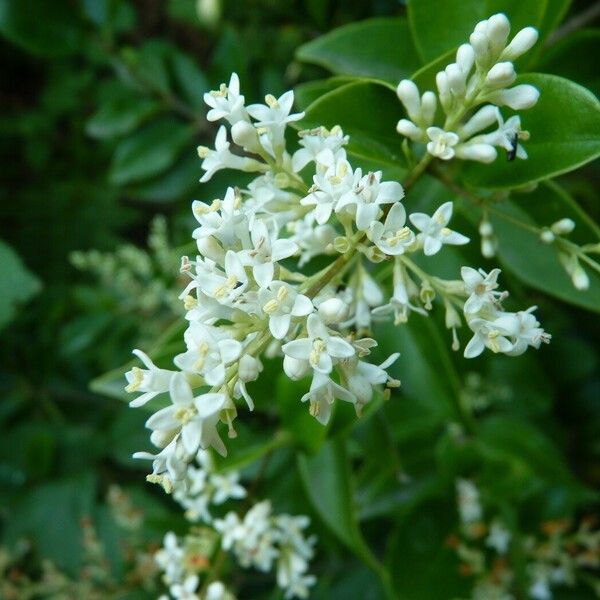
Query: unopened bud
{"points": [[485, 228], [245, 135], [249, 368], [409, 96], [333, 310], [547, 236], [498, 28], [341, 244], [501, 75], [563, 226], [294, 368], [521, 43], [520, 97]]}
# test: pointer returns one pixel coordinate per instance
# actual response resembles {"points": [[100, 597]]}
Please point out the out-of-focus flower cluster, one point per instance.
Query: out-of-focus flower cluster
{"points": [[260, 539], [558, 556]]}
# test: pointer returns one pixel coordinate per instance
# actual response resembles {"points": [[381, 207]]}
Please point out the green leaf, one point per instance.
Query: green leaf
{"points": [[189, 79], [120, 116], [149, 151], [441, 26], [327, 480], [17, 283], [43, 28], [372, 137], [564, 58], [565, 134], [310, 91], [378, 48], [522, 252]]}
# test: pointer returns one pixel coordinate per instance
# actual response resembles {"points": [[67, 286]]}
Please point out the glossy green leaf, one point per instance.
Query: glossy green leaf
{"points": [[310, 91], [190, 80], [150, 151], [327, 480], [534, 262], [441, 26], [564, 59], [378, 48], [565, 134], [17, 283], [368, 112], [120, 116]]}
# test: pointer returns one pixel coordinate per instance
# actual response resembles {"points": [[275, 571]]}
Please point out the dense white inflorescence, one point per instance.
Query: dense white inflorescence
{"points": [[248, 297]]}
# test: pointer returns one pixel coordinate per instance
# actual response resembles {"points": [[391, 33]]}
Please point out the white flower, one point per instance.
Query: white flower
{"points": [[217, 591], [311, 238], [323, 392], [187, 589], [226, 103], [222, 286], [468, 501], [361, 377], [210, 350], [266, 252], [314, 142], [481, 288], [226, 487], [222, 219], [196, 417], [498, 537], [434, 230], [366, 197], [222, 158], [391, 236], [492, 334], [274, 116], [152, 381], [280, 302], [529, 333], [170, 558], [320, 348], [330, 185], [442, 142]]}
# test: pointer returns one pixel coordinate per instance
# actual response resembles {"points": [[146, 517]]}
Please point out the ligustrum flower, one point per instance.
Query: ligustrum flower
{"points": [[434, 230], [247, 297]]}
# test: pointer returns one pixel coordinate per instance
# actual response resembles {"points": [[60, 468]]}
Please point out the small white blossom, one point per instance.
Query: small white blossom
{"points": [[226, 103], [151, 381], [434, 230], [280, 302], [392, 237], [442, 142]]}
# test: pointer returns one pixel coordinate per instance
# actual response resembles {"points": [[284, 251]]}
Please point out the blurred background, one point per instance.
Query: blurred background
{"points": [[101, 111]]}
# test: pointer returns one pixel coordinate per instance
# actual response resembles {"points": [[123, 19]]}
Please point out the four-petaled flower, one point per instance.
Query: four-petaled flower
{"points": [[280, 302], [434, 230], [442, 142]]}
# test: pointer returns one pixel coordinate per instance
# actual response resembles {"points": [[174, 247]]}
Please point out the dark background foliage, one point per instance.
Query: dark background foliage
{"points": [[101, 109]]}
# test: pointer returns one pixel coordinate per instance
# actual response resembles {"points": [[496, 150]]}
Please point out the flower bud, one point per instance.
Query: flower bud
{"points": [[428, 108], [479, 43], [333, 310], [410, 130], [521, 43], [294, 368], [249, 368], [441, 80], [546, 236], [563, 227], [409, 96], [519, 97], [488, 247], [485, 228], [210, 248], [162, 437], [456, 79], [501, 75], [580, 278], [482, 119], [245, 135], [465, 57], [484, 153], [498, 28]]}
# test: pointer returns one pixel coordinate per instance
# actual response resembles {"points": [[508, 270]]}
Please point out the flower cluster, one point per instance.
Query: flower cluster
{"points": [[500, 331], [181, 562], [557, 557], [261, 539], [203, 486], [248, 298], [480, 77]]}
